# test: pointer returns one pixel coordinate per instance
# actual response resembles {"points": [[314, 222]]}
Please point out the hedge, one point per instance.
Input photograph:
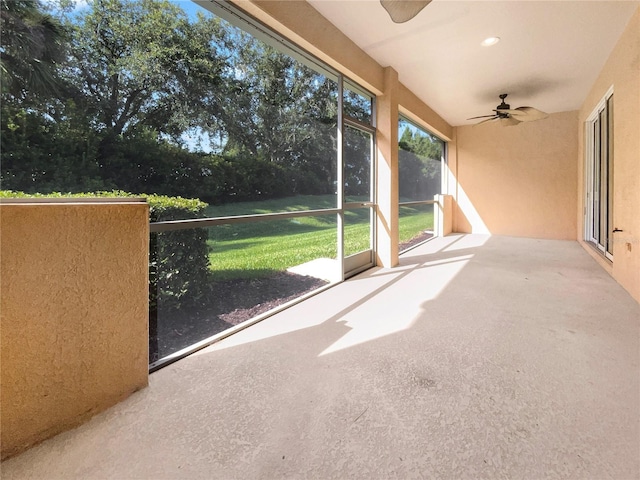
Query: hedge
{"points": [[178, 260]]}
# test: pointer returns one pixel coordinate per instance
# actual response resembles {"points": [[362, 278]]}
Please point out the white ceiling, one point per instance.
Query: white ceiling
{"points": [[549, 55]]}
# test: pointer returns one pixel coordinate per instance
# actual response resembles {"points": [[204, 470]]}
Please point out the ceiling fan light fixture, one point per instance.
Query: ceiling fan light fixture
{"points": [[402, 11], [489, 41]]}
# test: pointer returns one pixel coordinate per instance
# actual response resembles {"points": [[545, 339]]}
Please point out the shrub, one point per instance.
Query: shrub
{"points": [[250, 178], [178, 259]]}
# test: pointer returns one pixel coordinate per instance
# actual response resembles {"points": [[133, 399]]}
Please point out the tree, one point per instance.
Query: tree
{"points": [[140, 68], [419, 164], [33, 44], [279, 110], [141, 62], [142, 79], [421, 143]]}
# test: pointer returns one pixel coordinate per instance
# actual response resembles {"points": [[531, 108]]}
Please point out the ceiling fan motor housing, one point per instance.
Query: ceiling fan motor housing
{"points": [[503, 106]]}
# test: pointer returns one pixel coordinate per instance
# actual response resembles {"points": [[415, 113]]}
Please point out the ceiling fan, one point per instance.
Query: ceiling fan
{"points": [[508, 117], [402, 11]]}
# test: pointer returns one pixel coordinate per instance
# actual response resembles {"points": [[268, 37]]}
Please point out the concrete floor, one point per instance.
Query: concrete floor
{"points": [[478, 357]]}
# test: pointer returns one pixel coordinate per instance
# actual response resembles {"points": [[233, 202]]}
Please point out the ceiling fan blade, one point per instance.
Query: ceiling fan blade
{"points": [[525, 114], [528, 114], [492, 119], [402, 11], [481, 116]]}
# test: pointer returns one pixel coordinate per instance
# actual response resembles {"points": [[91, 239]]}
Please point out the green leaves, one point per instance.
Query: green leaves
{"points": [[419, 163], [154, 100], [33, 44], [122, 57]]}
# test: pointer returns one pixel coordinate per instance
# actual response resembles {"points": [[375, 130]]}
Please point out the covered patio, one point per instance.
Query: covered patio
{"points": [[477, 357]]}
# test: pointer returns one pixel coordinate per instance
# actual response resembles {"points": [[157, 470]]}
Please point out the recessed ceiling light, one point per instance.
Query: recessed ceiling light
{"points": [[487, 42]]}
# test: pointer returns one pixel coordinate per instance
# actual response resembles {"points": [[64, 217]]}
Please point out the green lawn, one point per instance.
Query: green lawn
{"points": [[414, 220], [258, 249]]}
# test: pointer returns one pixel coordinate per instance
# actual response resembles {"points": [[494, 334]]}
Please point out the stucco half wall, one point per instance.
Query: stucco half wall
{"points": [[517, 180], [73, 314]]}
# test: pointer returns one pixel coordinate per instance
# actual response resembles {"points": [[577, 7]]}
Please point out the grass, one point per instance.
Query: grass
{"points": [[414, 220], [289, 204], [261, 248]]}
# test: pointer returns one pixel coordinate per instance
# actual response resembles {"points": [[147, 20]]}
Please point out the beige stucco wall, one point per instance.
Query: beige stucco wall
{"points": [[517, 180], [73, 314], [622, 71], [443, 215], [387, 232]]}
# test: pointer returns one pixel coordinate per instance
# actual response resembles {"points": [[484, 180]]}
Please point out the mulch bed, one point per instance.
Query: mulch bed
{"points": [[231, 302], [418, 239]]}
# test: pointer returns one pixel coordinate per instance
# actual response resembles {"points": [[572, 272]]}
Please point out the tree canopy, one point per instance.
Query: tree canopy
{"points": [[138, 95], [420, 164], [32, 48]]}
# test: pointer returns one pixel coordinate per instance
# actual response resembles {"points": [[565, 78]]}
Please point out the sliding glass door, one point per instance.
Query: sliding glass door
{"points": [[599, 181], [358, 139]]}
